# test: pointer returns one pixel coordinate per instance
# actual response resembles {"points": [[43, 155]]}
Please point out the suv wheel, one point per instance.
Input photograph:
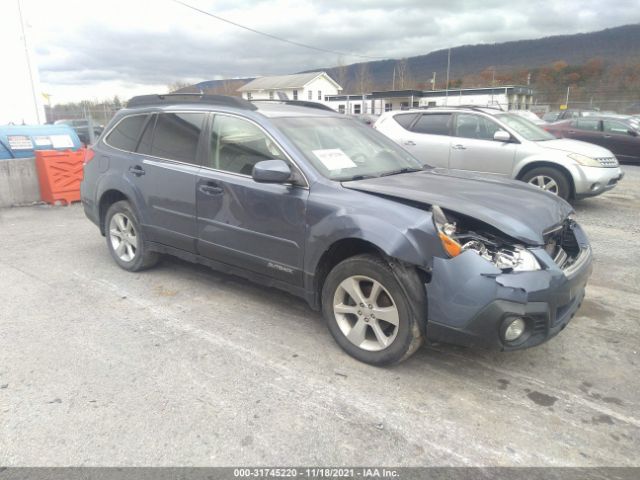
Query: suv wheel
{"points": [[125, 240], [549, 179], [368, 312]]}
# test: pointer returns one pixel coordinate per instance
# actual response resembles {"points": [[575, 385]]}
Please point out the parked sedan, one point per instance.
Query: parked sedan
{"points": [[618, 134], [502, 144]]}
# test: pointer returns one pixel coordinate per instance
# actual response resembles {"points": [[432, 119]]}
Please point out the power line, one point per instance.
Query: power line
{"points": [[275, 37]]}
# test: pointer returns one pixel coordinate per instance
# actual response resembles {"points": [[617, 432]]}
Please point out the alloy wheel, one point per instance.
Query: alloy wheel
{"points": [[123, 236], [366, 313], [545, 183]]}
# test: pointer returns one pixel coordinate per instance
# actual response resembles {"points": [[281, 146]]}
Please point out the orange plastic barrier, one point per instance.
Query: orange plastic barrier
{"points": [[59, 175]]}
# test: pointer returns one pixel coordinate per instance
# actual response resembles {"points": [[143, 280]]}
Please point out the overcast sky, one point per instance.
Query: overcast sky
{"points": [[90, 49]]}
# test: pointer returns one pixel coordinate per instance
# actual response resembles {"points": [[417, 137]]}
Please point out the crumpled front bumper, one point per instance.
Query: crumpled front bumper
{"points": [[469, 299]]}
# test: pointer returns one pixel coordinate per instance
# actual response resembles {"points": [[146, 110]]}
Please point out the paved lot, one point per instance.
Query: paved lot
{"points": [[184, 366]]}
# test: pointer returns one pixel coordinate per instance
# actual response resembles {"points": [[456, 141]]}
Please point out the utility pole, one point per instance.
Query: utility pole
{"points": [[446, 92], [493, 83], [567, 101], [27, 55], [433, 81], [393, 86]]}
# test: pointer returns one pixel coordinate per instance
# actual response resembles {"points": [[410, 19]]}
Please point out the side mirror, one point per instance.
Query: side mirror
{"points": [[502, 136], [632, 132], [271, 171]]}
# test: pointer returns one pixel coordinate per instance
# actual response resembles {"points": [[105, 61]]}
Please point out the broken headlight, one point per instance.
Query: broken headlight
{"points": [[503, 255]]}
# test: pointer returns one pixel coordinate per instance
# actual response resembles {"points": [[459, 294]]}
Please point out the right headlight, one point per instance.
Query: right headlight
{"points": [[510, 257], [584, 160]]}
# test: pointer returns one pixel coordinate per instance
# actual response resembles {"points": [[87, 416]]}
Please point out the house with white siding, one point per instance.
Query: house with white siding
{"points": [[313, 86]]}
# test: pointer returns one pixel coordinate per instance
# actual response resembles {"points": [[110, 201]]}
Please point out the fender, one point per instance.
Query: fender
{"points": [[112, 180]]}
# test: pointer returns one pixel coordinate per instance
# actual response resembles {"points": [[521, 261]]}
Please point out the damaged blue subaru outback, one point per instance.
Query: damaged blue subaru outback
{"points": [[294, 196]]}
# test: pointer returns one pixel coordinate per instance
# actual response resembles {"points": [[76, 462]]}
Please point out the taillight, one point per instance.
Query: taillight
{"points": [[88, 155]]}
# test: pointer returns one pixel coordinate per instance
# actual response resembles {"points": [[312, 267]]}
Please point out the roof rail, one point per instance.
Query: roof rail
{"points": [[469, 107], [197, 98], [299, 103]]}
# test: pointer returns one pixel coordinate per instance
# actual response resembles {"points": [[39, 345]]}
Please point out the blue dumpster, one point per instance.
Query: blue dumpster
{"points": [[21, 141]]}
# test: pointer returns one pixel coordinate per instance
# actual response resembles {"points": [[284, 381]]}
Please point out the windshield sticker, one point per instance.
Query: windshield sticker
{"points": [[334, 159]]}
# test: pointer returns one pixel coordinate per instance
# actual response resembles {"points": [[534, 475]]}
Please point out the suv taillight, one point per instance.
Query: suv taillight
{"points": [[88, 155]]}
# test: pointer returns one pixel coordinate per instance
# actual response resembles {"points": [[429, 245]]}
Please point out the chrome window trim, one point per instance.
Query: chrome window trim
{"points": [[210, 113]]}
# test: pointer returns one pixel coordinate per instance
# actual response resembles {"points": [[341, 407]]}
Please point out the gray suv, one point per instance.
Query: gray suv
{"points": [[324, 207], [491, 141]]}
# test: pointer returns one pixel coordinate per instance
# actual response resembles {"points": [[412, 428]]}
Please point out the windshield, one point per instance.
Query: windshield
{"points": [[343, 149], [523, 127]]}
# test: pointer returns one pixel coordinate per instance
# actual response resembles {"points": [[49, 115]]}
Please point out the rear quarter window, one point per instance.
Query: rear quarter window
{"points": [[405, 119], [126, 133]]}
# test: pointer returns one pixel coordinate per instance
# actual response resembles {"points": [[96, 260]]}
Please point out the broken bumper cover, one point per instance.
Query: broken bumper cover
{"points": [[469, 300]]}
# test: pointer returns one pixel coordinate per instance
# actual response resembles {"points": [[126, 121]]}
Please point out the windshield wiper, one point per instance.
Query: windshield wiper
{"points": [[401, 170], [357, 177]]}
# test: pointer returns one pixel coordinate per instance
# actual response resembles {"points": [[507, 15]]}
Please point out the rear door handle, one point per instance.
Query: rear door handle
{"points": [[137, 170], [210, 188], [571, 131], [459, 147], [410, 143]]}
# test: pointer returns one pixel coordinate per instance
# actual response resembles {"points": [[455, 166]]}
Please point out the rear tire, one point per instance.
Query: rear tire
{"points": [[368, 312], [125, 239], [549, 179]]}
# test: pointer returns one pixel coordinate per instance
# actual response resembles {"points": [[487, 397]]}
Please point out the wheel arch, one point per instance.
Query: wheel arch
{"points": [[546, 163], [107, 199]]}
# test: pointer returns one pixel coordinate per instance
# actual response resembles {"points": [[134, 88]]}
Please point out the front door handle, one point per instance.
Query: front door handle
{"points": [[410, 143], [571, 131], [137, 170], [210, 188], [459, 147]]}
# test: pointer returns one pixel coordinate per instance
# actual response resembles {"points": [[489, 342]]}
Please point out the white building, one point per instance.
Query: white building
{"points": [[20, 95], [314, 86], [508, 97]]}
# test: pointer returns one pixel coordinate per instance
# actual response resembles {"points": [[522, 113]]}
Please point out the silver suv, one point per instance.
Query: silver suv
{"points": [[492, 141]]}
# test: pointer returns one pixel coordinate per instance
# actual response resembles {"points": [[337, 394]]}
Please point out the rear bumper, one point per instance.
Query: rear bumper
{"points": [[470, 301], [592, 181]]}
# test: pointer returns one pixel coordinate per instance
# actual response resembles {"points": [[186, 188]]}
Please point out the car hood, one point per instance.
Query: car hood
{"points": [[521, 211], [576, 146]]}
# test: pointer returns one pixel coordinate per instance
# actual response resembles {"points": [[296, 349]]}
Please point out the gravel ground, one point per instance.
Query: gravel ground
{"points": [[184, 366]]}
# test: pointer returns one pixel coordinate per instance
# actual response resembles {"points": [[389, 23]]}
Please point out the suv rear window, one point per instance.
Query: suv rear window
{"points": [[405, 119], [125, 135], [433, 123]]}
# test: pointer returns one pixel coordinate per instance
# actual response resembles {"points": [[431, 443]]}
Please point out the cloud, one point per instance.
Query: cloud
{"points": [[136, 43]]}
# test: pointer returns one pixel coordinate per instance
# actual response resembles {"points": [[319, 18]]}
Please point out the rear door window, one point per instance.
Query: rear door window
{"points": [[433, 123], [126, 134], [585, 123], [176, 136]]}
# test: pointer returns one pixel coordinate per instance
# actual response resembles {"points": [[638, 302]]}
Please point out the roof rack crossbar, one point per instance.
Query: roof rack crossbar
{"points": [[196, 98]]}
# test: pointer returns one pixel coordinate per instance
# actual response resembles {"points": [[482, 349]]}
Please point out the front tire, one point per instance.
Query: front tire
{"points": [[125, 239], [368, 312], [549, 179]]}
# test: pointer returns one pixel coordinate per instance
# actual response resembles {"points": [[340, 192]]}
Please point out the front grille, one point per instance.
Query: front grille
{"points": [[608, 161]]}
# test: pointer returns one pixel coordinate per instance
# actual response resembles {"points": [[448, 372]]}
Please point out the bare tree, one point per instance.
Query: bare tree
{"points": [[342, 74], [402, 71], [177, 85], [363, 78]]}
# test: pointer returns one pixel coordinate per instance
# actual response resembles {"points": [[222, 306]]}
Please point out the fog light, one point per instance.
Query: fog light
{"points": [[514, 330]]}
